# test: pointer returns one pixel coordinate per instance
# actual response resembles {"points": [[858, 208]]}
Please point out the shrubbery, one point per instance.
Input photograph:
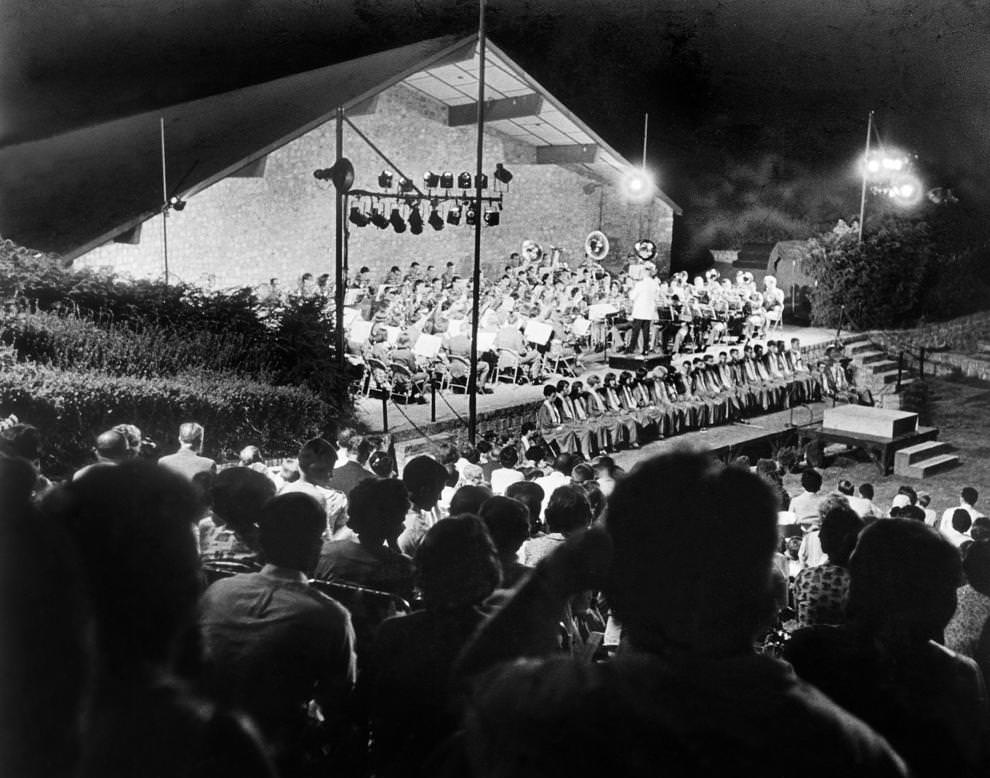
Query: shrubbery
{"points": [[94, 349], [70, 406]]}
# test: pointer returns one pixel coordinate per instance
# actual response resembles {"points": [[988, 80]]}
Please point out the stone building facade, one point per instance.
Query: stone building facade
{"points": [[279, 222]]}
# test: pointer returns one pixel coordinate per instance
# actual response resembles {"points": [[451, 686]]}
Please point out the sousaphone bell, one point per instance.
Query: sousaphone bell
{"points": [[532, 251], [645, 249], [596, 245]]}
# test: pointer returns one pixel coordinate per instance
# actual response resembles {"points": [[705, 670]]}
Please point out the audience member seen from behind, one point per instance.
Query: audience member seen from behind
{"points": [[968, 632], [411, 715], [507, 521], [111, 449], [372, 559], [239, 493], [887, 664], [506, 474], [530, 494], [349, 474], [46, 655], [316, 469], [131, 527], [187, 461], [273, 643], [862, 506], [805, 505], [24, 441], [567, 512], [382, 465], [469, 499], [820, 592], [686, 695], [424, 479]]}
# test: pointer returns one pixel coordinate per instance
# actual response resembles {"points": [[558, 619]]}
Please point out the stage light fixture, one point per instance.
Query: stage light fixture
{"points": [[385, 180], [405, 185], [492, 217], [446, 180], [502, 175], [431, 179], [415, 221], [341, 174], [358, 218], [481, 180], [396, 220], [454, 215], [378, 219], [435, 220], [471, 217], [464, 181], [176, 203]]}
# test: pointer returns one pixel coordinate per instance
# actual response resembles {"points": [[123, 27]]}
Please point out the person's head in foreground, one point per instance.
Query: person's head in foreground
{"points": [[376, 510], [457, 565], [290, 531], [693, 547], [903, 579]]}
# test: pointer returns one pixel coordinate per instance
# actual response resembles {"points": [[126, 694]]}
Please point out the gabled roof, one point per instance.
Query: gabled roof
{"points": [[74, 191]]}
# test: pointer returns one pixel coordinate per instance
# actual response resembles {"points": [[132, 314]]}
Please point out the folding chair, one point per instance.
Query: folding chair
{"points": [[775, 319], [215, 569], [368, 607], [560, 362], [509, 362], [459, 372], [379, 377], [404, 384]]}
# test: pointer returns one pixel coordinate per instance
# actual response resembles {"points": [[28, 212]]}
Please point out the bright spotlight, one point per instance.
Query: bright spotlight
{"points": [[906, 190], [637, 185], [873, 166]]}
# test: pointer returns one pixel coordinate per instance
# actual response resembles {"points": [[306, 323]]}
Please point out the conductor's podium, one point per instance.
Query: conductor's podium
{"points": [[880, 432]]}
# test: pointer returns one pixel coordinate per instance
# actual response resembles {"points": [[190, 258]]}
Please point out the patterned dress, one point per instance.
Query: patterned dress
{"points": [[820, 595]]}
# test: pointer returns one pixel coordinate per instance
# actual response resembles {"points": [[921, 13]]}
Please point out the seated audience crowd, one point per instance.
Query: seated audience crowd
{"points": [[547, 616]]}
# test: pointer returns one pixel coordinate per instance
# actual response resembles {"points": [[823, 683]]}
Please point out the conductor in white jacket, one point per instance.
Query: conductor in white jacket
{"points": [[645, 296]]}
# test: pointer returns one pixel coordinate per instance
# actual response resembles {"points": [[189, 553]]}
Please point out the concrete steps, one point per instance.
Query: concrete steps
{"points": [[860, 347], [881, 367], [869, 357], [927, 467], [920, 451]]}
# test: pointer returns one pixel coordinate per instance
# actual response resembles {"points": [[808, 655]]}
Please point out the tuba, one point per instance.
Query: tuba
{"points": [[532, 251], [645, 249], [596, 245]]}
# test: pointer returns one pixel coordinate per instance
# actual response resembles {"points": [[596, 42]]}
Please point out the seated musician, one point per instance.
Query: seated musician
{"points": [[755, 316], [696, 407], [550, 423], [510, 336], [653, 408], [809, 380], [459, 345], [607, 428], [583, 440], [716, 404], [627, 430], [725, 389], [778, 386]]}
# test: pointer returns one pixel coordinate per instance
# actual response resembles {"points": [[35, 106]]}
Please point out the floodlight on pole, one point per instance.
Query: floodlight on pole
{"points": [[637, 185]]}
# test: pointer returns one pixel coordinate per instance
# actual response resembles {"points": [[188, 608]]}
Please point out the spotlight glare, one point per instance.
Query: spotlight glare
{"points": [[906, 190], [873, 166], [637, 185]]}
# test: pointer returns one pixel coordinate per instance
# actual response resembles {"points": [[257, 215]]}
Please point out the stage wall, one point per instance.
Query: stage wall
{"points": [[243, 231]]}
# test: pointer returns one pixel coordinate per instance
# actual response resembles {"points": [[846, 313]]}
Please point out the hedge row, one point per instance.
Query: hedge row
{"points": [[70, 342], [70, 407]]}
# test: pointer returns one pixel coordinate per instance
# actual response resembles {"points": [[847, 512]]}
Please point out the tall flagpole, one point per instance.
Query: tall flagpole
{"points": [[165, 204], [476, 276], [866, 161]]}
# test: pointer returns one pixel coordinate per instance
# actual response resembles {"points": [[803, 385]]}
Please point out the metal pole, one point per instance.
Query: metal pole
{"points": [[900, 369], [866, 160], [338, 297], [476, 277], [385, 411], [433, 398], [161, 125], [646, 127], [921, 363]]}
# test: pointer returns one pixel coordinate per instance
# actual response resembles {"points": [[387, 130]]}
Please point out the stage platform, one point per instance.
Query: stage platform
{"points": [[510, 405], [634, 362]]}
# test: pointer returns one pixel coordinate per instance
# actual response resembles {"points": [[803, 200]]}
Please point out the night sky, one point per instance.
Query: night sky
{"points": [[757, 107]]}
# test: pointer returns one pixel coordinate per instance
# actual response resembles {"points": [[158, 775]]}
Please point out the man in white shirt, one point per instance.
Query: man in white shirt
{"points": [[861, 505], [805, 505], [968, 499], [645, 296], [506, 474], [561, 476]]}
